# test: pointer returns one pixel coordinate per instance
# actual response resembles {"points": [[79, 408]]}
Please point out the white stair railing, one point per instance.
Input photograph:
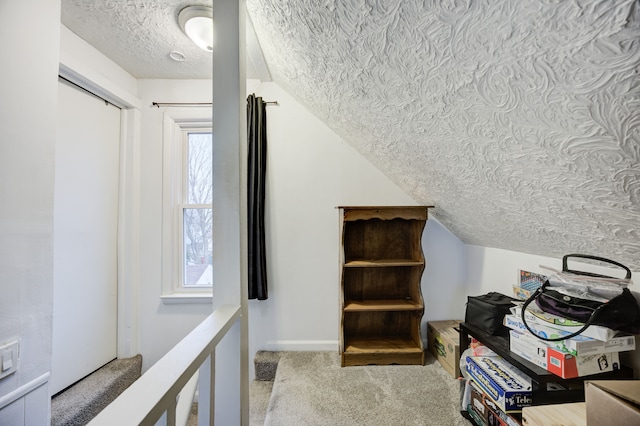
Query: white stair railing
{"points": [[152, 399]]}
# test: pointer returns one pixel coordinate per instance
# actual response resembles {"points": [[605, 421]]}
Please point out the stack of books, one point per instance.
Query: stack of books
{"points": [[496, 392], [595, 350]]}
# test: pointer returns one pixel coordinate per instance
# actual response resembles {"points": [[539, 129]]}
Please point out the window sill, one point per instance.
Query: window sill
{"points": [[187, 298]]}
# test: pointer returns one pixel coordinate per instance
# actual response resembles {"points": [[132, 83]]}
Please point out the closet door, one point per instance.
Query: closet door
{"points": [[85, 236]]}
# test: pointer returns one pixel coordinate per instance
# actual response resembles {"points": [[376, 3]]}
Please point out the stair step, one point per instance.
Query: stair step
{"points": [[266, 364], [81, 402]]}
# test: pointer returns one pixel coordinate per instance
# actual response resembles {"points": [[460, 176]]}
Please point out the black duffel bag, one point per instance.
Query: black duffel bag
{"points": [[487, 312]]}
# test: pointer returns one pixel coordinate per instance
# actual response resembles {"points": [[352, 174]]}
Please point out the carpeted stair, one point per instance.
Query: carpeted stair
{"points": [[265, 365], [80, 403]]}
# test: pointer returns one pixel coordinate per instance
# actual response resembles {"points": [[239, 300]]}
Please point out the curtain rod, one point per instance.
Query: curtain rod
{"points": [[106, 102], [185, 104]]}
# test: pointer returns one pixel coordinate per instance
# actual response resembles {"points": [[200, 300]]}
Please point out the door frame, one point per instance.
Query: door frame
{"points": [[128, 195]]}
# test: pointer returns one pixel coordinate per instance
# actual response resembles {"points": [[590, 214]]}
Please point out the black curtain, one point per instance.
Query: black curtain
{"points": [[257, 167]]}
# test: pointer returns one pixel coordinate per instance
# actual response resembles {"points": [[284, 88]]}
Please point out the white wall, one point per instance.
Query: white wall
{"points": [[161, 325], [28, 89], [445, 277], [310, 171]]}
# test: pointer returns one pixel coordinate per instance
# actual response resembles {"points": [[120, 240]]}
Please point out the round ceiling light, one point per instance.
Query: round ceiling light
{"points": [[197, 24]]}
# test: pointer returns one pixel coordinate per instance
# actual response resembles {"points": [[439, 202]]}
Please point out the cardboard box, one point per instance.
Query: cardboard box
{"points": [[612, 402], [568, 366], [443, 341], [509, 388], [570, 414]]}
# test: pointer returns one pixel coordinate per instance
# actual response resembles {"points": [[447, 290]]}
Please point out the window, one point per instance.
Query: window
{"points": [[196, 211], [187, 272]]}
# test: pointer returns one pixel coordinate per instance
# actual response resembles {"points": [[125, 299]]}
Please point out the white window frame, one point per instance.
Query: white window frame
{"points": [[176, 121]]}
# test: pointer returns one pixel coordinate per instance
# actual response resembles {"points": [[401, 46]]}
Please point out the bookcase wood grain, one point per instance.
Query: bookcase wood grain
{"points": [[381, 305]]}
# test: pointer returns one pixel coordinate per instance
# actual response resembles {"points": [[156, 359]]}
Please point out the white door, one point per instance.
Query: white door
{"points": [[85, 232]]}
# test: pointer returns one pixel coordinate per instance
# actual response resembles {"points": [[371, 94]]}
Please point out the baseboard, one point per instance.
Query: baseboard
{"points": [[302, 345]]}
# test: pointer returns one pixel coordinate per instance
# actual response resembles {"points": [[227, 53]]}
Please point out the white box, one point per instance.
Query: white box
{"points": [[533, 351], [589, 347]]}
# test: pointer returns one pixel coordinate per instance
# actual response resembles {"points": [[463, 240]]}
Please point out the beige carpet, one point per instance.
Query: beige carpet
{"points": [[80, 403], [259, 394], [312, 389]]}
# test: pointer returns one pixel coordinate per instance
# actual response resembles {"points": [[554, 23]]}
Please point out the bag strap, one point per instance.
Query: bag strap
{"points": [[533, 297], [599, 259]]}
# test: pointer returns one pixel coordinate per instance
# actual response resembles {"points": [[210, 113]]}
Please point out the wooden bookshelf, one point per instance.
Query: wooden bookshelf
{"points": [[381, 302], [382, 305]]}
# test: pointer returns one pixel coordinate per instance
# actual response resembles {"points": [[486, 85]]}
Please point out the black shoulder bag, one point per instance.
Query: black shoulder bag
{"points": [[621, 313]]}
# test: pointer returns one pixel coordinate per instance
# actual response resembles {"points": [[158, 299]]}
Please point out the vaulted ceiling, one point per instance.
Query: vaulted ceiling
{"points": [[519, 120]]}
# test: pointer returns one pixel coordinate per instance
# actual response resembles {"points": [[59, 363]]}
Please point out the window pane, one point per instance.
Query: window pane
{"points": [[197, 262], [199, 168]]}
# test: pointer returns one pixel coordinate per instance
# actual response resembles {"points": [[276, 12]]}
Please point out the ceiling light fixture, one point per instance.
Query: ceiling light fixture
{"points": [[197, 24]]}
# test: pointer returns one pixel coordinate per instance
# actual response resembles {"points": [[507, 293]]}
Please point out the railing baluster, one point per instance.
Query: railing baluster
{"points": [[171, 412], [212, 387], [206, 389]]}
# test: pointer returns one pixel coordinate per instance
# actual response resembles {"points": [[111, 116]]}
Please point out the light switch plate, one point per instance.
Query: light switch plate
{"points": [[8, 358]]}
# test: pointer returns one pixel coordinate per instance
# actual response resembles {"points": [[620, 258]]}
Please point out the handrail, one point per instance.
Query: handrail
{"points": [[156, 391]]}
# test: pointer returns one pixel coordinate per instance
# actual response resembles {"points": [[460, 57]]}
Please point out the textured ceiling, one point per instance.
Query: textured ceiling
{"points": [[519, 120], [138, 35]]}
